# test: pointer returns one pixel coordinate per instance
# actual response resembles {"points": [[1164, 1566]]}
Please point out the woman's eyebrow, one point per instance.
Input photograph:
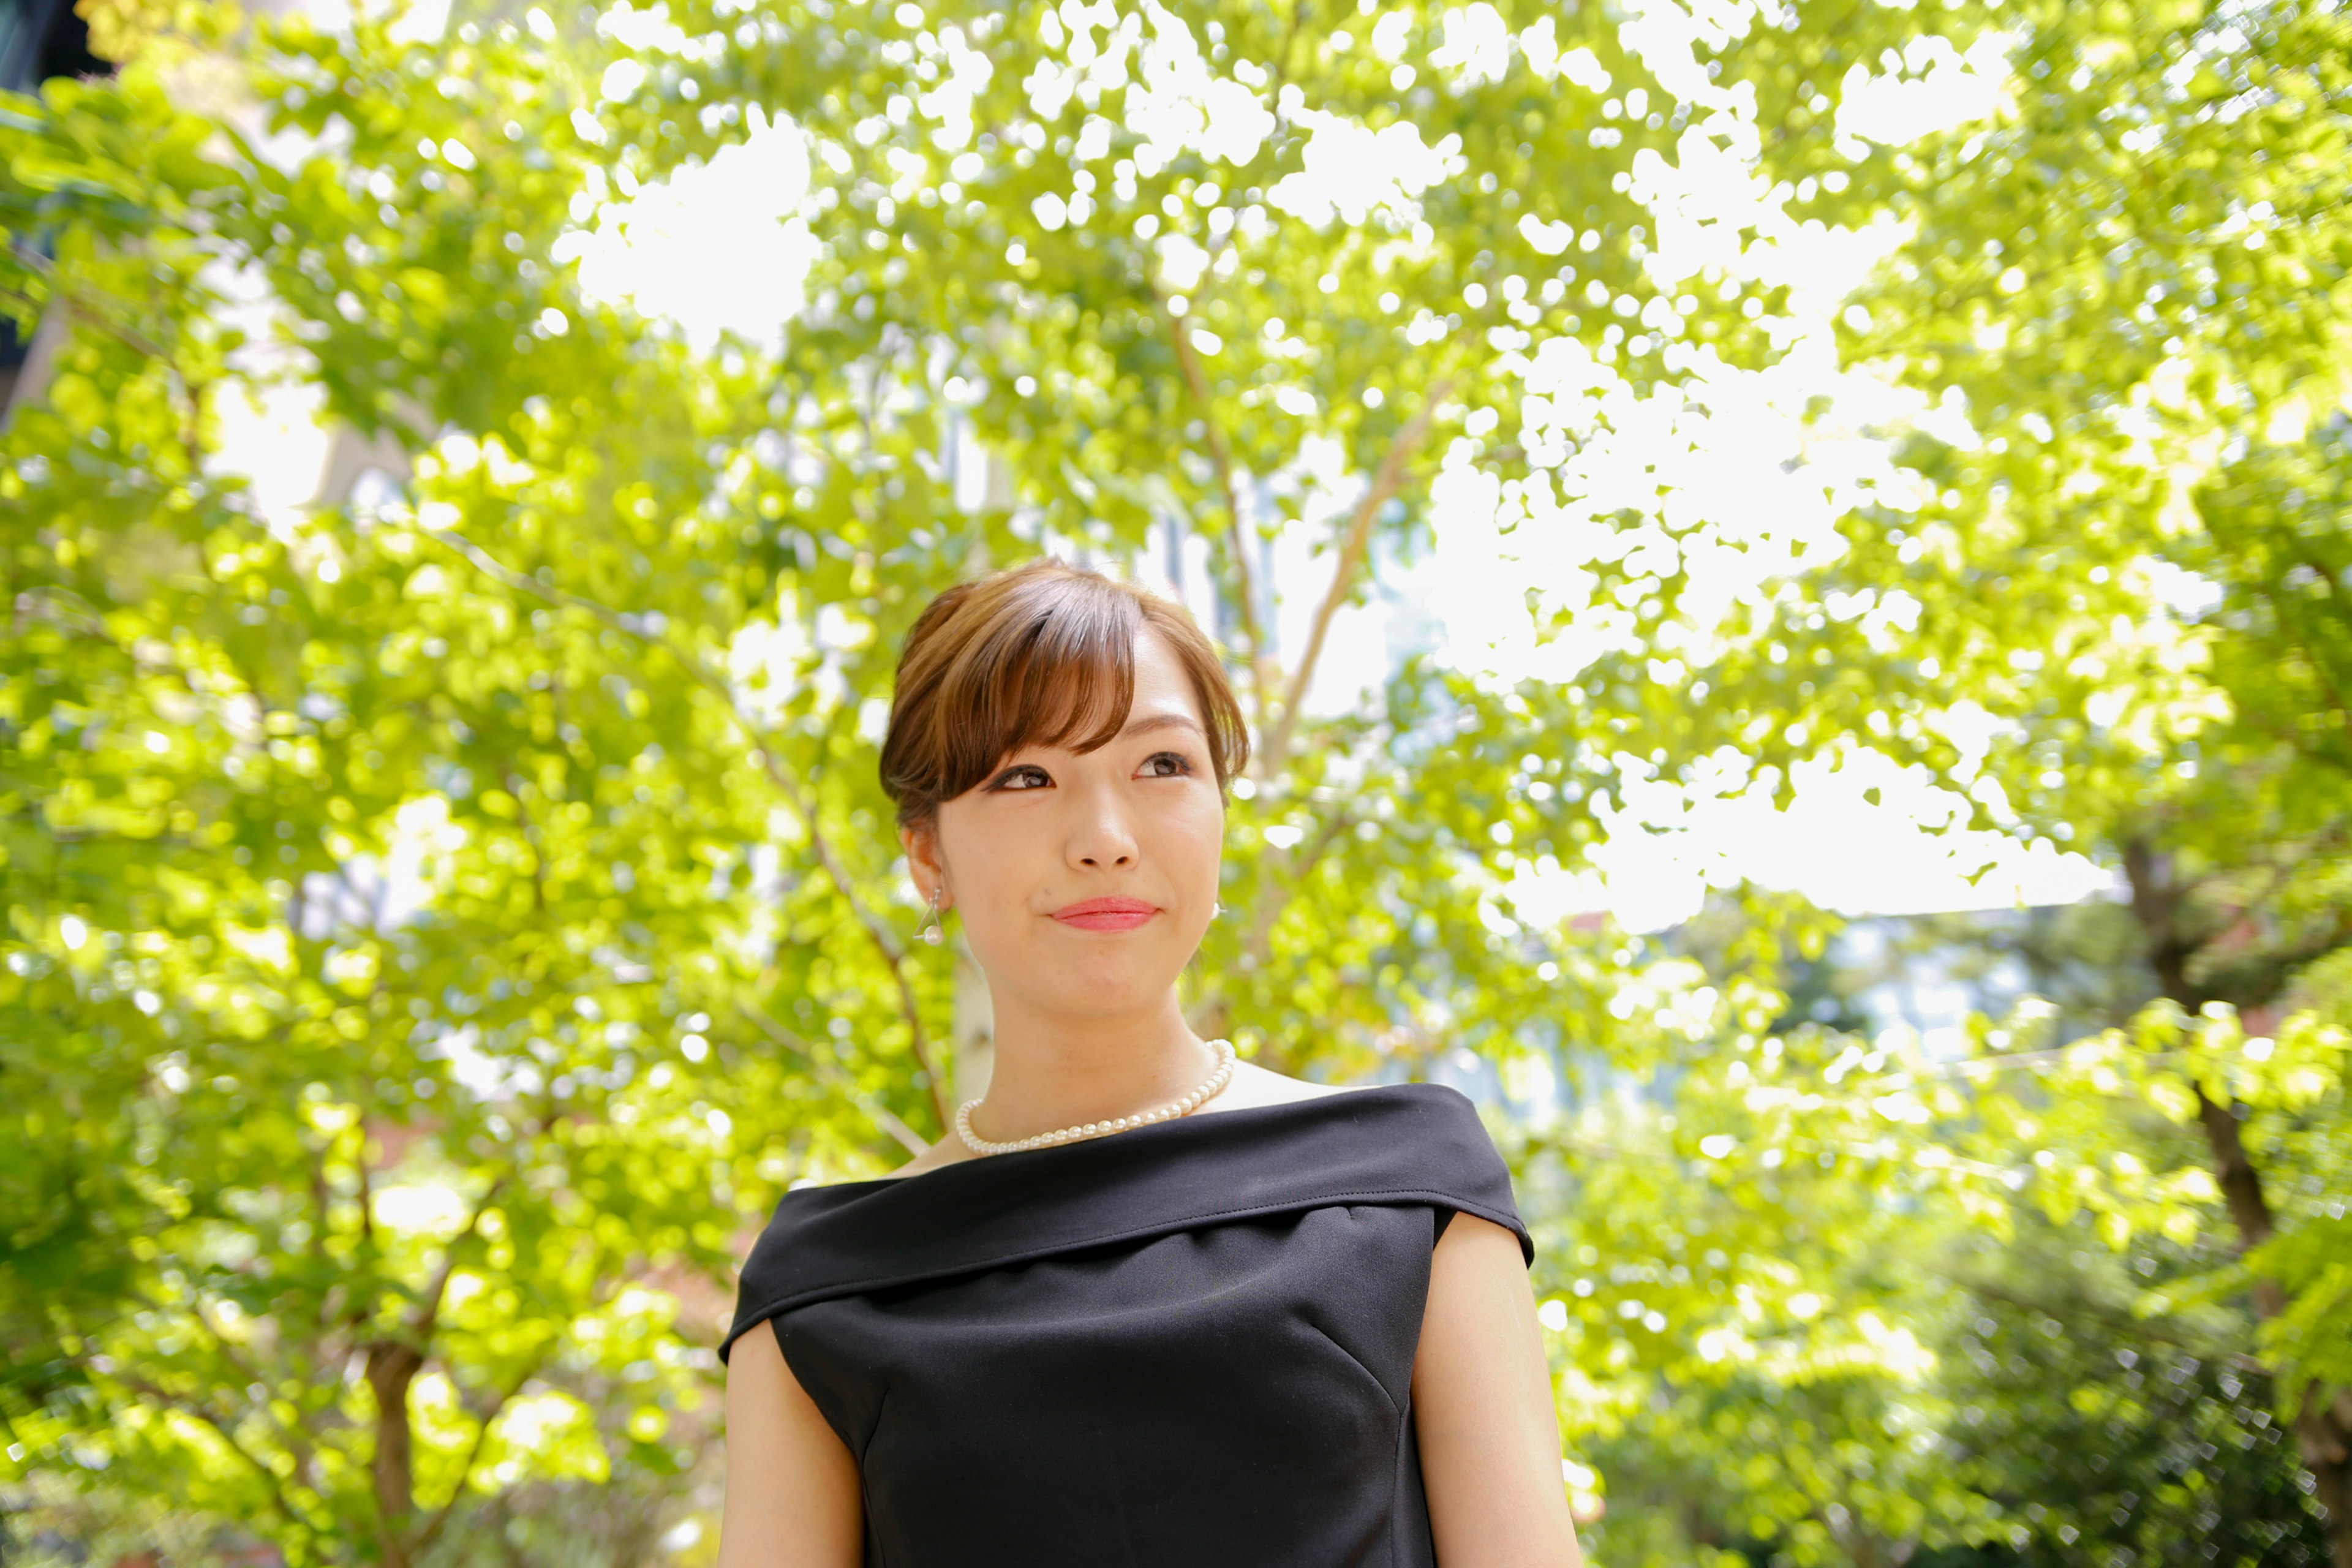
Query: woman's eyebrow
{"points": [[1162, 722]]}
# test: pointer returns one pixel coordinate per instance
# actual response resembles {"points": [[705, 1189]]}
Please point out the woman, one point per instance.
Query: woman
{"points": [[1144, 1304]]}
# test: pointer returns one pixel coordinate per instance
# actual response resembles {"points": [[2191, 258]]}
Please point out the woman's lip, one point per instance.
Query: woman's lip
{"points": [[1106, 914]]}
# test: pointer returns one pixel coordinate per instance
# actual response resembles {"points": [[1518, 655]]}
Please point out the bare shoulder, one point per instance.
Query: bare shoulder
{"points": [[1253, 1085], [949, 1151]]}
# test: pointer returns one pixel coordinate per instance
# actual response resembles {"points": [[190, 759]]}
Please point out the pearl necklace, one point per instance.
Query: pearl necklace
{"points": [[1209, 1086]]}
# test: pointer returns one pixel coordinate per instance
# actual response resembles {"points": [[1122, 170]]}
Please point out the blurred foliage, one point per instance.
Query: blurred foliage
{"points": [[2102, 1430], [398, 1234], [2127, 289]]}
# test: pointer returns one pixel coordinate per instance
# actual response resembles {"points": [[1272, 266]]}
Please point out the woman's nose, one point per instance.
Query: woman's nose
{"points": [[1102, 837]]}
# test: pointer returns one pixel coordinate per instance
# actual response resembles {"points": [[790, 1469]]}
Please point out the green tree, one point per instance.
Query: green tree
{"points": [[2128, 283], [317, 1216], [373, 1224], [323, 1213], [2101, 1429]]}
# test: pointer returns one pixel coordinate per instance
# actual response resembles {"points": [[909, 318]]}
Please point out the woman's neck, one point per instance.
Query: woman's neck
{"points": [[1052, 1072]]}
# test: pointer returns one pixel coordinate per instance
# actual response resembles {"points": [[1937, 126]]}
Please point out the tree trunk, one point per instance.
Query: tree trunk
{"points": [[2323, 1433], [391, 1368], [975, 1025], [2323, 1424]]}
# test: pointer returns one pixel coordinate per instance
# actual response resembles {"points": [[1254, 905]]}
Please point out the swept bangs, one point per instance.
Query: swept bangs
{"points": [[1037, 655]]}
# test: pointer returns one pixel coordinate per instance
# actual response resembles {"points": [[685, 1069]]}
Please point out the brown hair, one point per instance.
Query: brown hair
{"points": [[1024, 657]]}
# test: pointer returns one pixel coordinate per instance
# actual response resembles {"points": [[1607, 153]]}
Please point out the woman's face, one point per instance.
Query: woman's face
{"points": [[1084, 883]]}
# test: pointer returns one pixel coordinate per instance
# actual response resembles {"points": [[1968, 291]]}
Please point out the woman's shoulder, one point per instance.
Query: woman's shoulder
{"points": [[1253, 1084], [947, 1149]]}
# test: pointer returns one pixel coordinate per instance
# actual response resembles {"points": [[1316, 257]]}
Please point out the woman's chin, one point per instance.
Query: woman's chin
{"points": [[1088, 974], [1123, 994]]}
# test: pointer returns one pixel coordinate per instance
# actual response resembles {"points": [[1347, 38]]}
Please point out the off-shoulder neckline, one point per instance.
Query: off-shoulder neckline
{"points": [[1382, 1144], [1162, 1129]]}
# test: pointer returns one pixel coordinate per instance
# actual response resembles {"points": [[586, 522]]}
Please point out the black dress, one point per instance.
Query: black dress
{"points": [[1190, 1344]]}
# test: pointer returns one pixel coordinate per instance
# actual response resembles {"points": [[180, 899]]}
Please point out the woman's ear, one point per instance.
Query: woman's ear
{"points": [[921, 842]]}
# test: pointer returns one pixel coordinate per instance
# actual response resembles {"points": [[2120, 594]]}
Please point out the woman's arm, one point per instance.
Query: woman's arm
{"points": [[792, 1499], [1483, 1409]]}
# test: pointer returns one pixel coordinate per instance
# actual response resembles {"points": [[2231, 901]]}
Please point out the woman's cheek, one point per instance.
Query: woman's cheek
{"points": [[1212, 840]]}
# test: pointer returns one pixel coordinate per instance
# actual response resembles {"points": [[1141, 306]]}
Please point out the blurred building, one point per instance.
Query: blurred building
{"points": [[39, 39]]}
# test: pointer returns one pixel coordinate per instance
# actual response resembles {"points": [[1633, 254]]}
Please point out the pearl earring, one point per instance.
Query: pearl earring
{"points": [[930, 933]]}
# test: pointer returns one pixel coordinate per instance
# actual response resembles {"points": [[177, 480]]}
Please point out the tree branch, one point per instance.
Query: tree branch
{"points": [[366, 1184], [1353, 547], [499, 1402], [247, 1375], [392, 1364], [1221, 456], [154, 1394], [428, 1307], [79, 305], [1286, 873], [907, 1137]]}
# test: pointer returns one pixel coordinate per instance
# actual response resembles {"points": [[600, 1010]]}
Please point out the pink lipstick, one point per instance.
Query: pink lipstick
{"points": [[1106, 914]]}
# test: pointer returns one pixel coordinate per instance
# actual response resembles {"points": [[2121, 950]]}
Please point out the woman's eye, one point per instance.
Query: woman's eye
{"points": [[1011, 780], [1184, 765]]}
